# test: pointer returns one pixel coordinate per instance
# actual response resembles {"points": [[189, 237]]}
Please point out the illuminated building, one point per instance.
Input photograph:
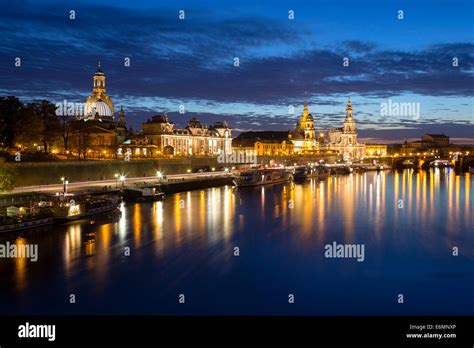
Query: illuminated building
{"points": [[265, 143], [344, 140], [95, 133], [304, 135], [193, 140], [99, 104], [375, 150]]}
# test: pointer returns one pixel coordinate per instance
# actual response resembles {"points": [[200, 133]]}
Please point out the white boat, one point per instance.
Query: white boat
{"points": [[441, 163]]}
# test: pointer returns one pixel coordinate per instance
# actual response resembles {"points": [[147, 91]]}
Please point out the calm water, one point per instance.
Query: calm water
{"points": [[185, 244]]}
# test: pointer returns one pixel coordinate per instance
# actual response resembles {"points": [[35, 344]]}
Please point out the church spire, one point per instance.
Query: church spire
{"points": [[99, 81], [349, 108], [305, 110], [121, 119]]}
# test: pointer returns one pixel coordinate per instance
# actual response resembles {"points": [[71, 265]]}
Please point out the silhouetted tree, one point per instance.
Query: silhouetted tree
{"points": [[7, 176], [28, 128], [51, 131], [9, 108]]}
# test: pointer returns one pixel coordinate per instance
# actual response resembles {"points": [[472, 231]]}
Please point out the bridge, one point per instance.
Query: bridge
{"points": [[461, 162]]}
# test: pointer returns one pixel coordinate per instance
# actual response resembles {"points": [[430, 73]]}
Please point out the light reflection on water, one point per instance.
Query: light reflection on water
{"points": [[409, 222]]}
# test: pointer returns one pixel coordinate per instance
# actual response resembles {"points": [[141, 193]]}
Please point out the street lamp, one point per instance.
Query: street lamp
{"points": [[65, 183], [122, 179], [116, 180], [159, 175]]}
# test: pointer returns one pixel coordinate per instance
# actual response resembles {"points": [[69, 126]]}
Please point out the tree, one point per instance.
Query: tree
{"points": [[46, 111], [66, 132], [28, 127], [7, 176], [81, 139], [9, 108]]}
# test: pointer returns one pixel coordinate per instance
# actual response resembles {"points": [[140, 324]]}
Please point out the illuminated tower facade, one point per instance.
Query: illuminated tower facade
{"points": [[99, 105]]}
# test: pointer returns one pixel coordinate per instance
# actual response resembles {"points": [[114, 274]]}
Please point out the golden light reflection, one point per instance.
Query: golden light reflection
{"points": [[450, 193], [467, 197], [20, 266], [457, 197], [157, 223], [178, 207], [424, 213], [90, 247], [396, 184], [202, 212], [123, 222], [189, 209], [348, 208], [286, 201], [72, 246], [321, 203], [229, 208], [137, 223]]}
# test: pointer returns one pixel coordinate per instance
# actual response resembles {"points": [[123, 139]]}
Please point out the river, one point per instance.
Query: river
{"points": [[246, 250]]}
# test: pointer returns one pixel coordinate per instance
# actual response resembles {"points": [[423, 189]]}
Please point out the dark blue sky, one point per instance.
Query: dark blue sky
{"points": [[191, 61]]}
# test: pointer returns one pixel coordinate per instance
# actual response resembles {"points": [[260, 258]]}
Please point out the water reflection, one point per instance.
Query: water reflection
{"points": [[191, 232]]}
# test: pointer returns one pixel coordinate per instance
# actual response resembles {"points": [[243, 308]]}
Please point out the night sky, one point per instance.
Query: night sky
{"points": [[190, 62]]}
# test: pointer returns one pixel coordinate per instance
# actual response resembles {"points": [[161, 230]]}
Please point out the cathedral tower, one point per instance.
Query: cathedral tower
{"points": [[349, 122]]}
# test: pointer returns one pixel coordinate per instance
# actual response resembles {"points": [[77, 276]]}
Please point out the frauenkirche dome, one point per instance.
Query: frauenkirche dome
{"points": [[99, 104]]}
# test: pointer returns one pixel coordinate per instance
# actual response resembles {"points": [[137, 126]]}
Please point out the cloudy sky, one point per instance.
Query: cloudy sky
{"points": [[282, 61]]}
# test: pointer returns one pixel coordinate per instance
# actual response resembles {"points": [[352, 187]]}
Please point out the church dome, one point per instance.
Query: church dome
{"points": [[99, 107], [194, 123]]}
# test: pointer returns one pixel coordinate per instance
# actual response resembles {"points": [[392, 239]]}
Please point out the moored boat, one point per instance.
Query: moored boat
{"points": [[84, 206], [142, 194], [439, 163], [305, 172], [261, 176], [19, 225], [341, 170]]}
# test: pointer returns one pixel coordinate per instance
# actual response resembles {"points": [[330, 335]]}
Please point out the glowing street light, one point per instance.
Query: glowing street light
{"points": [[159, 175], [122, 179], [65, 183]]}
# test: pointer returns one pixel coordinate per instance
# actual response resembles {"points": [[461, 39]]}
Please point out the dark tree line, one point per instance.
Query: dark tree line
{"points": [[29, 124]]}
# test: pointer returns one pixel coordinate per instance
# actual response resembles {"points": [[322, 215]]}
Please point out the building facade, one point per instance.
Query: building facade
{"points": [[195, 139], [344, 140], [264, 143], [430, 143], [304, 136], [95, 133], [375, 150]]}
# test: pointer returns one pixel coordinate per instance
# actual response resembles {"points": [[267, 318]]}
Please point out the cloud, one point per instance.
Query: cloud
{"points": [[192, 62]]}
